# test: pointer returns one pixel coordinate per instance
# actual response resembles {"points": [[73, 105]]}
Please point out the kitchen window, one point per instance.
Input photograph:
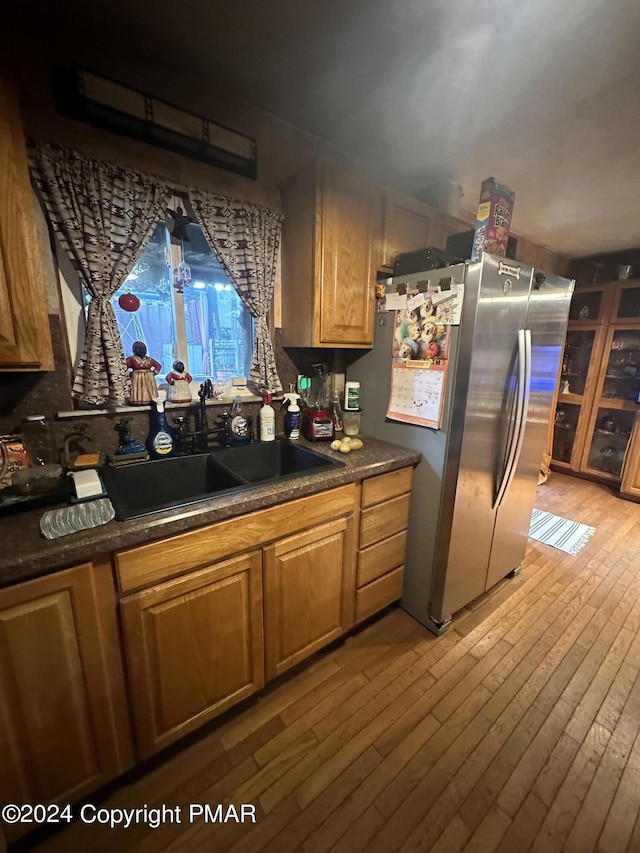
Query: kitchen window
{"points": [[205, 325]]}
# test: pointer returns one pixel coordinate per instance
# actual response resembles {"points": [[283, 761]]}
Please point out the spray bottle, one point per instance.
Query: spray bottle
{"points": [[292, 417]]}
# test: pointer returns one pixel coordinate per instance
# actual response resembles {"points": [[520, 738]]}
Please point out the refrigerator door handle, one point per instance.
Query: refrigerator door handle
{"points": [[521, 413]]}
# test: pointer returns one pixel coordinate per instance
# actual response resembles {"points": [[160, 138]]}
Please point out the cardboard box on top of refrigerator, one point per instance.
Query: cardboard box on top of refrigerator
{"points": [[493, 220]]}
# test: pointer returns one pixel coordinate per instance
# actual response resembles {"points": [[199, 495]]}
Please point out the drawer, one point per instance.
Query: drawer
{"points": [[374, 596], [149, 564], [386, 486], [381, 558], [383, 520]]}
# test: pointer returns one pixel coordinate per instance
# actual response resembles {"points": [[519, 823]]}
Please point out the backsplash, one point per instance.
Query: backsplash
{"points": [[23, 394]]}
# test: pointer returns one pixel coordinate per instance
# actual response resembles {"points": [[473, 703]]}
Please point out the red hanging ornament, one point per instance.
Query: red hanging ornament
{"points": [[129, 302]]}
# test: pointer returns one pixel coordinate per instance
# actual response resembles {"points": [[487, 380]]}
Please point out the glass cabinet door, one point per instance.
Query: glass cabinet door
{"points": [[576, 360], [622, 373], [565, 427], [628, 307], [587, 304], [609, 441]]}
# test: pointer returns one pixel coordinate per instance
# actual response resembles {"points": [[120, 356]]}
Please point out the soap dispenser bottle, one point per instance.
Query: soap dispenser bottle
{"points": [[161, 441], [239, 425], [267, 418]]}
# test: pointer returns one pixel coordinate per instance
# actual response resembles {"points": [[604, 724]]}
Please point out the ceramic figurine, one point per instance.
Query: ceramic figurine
{"points": [[564, 387], [143, 375], [179, 379]]}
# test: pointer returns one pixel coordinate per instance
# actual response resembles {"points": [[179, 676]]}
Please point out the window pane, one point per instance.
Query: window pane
{"points": [[154, 322], [219, 330]]}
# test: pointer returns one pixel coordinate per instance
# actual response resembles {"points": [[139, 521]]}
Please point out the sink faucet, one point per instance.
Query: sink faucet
{"points": [[206, 391], [197, 440]]}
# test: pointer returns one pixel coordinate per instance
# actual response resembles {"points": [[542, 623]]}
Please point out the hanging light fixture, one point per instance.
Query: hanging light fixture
{"points": [[182, 275], [180, 235]]}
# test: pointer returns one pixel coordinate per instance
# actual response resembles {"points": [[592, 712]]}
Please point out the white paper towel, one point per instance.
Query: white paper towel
{"points": [[88, 484]]}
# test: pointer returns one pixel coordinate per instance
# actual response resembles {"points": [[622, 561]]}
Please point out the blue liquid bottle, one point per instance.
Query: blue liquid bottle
{"points": [[161, 441]]}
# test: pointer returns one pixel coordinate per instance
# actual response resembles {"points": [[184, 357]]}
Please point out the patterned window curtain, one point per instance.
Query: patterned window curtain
{"points": [[245, 239], [103, 215]]}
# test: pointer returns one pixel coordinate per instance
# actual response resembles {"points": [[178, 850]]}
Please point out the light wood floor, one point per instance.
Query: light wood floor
{"points": [[517, 730]]}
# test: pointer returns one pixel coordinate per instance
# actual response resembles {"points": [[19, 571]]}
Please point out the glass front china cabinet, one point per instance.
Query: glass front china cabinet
{"points": [[596, 418]]}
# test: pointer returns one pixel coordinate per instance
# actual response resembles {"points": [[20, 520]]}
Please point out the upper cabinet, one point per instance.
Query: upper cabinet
{"points": [[409, 224], [25, 338], [329, 244]]}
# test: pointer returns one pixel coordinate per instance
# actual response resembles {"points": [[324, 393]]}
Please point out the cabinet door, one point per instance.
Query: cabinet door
{"points": [[626, 307], [447, 225], [25, 338], [577, 384], [408, 225], [630, 485], [309, 582], [56, 736], [194, 647], [615, 404], [345, 255], [589, 305]]}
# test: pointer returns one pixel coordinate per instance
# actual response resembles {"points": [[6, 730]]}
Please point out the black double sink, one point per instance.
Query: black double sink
{"points": [[147, 487]]}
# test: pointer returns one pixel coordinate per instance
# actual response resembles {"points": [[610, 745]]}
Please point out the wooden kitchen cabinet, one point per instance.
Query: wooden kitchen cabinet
{"points": [[193, 623], [63, 730], [630, 484], [329, 256], [309, 587], [25, 337], [384, 519], [194, 647], [595, 431], [409, 224]]}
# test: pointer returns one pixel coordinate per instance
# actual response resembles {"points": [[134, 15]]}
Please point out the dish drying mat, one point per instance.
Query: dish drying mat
{"points": [[71, 519]]}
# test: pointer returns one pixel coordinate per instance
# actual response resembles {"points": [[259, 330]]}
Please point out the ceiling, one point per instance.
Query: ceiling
{"points": [[543, 95]]}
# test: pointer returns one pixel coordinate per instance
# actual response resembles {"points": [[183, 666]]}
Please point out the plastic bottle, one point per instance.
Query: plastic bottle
{"points": [[239, 426], [292, 416], [161, 441], [336, 413], [352, 395], [37, 441], [267, 419]]}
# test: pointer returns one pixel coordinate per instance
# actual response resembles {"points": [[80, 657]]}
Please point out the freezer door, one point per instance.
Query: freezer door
{"points": [[547, 321], [481, 431]]}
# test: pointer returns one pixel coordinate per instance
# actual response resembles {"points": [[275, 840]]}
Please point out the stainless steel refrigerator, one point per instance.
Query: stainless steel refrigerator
{"points": [[474, 490]]}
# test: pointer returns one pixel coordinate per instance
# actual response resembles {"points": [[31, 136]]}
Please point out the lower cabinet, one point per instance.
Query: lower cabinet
{"points": [[194, 647], [630, 485], [62, 714], [384, 519], [190, 632], [192, 609], [309, 587]]}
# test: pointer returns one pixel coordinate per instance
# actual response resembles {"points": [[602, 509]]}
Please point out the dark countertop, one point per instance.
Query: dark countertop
{"points": [[27, 554]]}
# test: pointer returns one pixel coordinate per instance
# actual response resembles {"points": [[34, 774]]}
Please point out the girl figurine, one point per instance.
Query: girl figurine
{"points": [[143, 375], [179, 379]]}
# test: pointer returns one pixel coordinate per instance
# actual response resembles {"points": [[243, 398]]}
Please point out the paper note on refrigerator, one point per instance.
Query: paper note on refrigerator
{"points": [[395, 301], [448, 305]]}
